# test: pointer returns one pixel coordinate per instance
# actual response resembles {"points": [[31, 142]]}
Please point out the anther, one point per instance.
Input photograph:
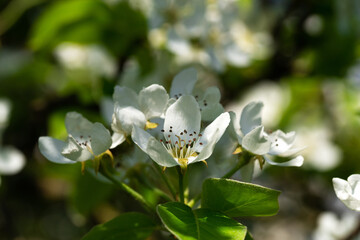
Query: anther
{"points": [[170, 126], [181, 133], [170, 130], [200, 135], [168, 135], [185, 131], [190, 134], [81, 136], [276, 144], [201, 143], [162, 130]]}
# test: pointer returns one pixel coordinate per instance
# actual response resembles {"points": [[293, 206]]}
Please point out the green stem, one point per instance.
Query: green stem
{"points": [[166, 180], [243, 160], [140, 199], [181, 184]]}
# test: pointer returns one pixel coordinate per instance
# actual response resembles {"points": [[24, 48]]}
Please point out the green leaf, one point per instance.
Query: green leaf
{"points": [[237, 199], [200, 224], [130, 226]]}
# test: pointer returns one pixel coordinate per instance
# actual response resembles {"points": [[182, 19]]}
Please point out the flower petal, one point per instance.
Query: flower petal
{"points": [[234, 128], [256, 141], [125, 97], [295, 162], [342, 188], [210, 112], [100, 138], [152, 147], [51, 148], [11, 160], [182, 119], [281, 142], [153, 100], [77, 125], [107, 109], [211, 136], [251, 117], [183, 82], [125, 117], [117, 139], [354, 181]]}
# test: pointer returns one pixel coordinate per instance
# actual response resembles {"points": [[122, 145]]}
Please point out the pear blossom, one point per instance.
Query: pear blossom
{"points": [[182, 142], [85, 141], [332, 227], [131, 110], [348, 191], [252, 138], [11, 159], [184, 83]]}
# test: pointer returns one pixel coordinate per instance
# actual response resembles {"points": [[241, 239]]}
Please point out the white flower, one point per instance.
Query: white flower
{"points": [[331, 227], [11, 160], [85, 141], [252, 137], [184, 83], [92, 58], [131, 110], [182, 142], [5, 107], [348, 191]]}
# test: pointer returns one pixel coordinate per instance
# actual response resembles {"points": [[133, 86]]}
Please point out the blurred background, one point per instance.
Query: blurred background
{"points": [[301, 58]]}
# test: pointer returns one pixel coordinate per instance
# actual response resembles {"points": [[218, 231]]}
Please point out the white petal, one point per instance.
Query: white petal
{"points": [[73, 151], [182, 119], [256, 141], [295, 162], [251, 117], [125, 117], [77, 125], [354, 181], [234, 128], [211, 136], [183, 82], [153, 100], [342, 188], [152, 147], [210, 112], [100, 138], [125, 97], [11, 160], [281, 142], [107, 109], [117, 139], [51, 148]]}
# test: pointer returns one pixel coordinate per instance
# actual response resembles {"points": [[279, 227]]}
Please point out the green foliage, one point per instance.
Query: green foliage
{"points": [[89, 21], [130, 226], [237, 199], [86, 186], [200, 224]]}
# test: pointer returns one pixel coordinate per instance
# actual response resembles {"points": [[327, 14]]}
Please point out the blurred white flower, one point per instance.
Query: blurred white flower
{"points": [[275, 97], [11, 159], [331, 227], [348, 191], [92, 58], [207, 32], [5, 107], [320, 152]]}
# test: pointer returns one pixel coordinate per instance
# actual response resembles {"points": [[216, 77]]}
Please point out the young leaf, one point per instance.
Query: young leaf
{"points": [[237, 199], [130, 226], [199, 224]]}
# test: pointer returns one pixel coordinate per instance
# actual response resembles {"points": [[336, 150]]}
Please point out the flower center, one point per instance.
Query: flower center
{"points": [[84, 142], [182, 146]]}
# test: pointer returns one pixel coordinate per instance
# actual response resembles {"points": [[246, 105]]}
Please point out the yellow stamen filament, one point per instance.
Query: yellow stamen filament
{"points": [[237, 150]]}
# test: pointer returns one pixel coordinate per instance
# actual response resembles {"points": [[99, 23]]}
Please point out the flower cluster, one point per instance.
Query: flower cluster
{"points": [[168, 128]]}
